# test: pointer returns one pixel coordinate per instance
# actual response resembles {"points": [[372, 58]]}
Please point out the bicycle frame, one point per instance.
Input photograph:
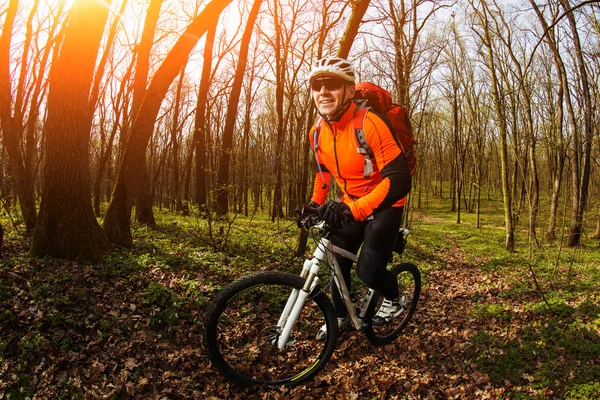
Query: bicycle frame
{"points": [[325, 251]]}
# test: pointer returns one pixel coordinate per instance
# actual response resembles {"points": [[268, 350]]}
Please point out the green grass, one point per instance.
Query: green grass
{"points": [[534, 344]]}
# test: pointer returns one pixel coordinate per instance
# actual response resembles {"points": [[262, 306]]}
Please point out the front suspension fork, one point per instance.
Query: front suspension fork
{"points": [[296, 301]]}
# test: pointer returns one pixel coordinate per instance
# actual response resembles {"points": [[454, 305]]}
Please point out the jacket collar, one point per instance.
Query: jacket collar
{"points": [[346, 117]]}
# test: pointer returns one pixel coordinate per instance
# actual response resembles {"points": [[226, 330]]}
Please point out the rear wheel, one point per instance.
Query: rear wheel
{"points": [[241, 331], [409, 283]]}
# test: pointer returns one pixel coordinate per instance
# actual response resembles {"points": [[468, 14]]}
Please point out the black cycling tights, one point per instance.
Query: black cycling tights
{"points": [[379, 236]]}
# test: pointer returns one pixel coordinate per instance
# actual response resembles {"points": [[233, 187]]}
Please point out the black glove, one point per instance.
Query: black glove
{"points": [[335, 214], [300, 215]]}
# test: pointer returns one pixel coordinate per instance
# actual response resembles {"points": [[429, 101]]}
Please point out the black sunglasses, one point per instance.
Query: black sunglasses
{"points": [[330, 84]]}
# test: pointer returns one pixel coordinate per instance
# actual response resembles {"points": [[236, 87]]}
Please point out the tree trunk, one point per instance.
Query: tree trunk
{"points": [[581, 177], [560, 162], [67, 226], [531, 184], [200, 124], [143, 192], [234, 97], [563, 93], [188, 178], [500, 113], [105, 152], [359, 8], [457, 151], [597, 233], [280, 61], [243, 205], [143, 195], [175, 130], [142, 51]]}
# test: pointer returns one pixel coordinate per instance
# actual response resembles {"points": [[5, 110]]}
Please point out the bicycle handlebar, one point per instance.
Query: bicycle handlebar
{"points": [[308, 218]]}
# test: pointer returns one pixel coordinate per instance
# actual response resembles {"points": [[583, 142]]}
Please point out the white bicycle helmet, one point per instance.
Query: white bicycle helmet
{"points": [[332, 66]]}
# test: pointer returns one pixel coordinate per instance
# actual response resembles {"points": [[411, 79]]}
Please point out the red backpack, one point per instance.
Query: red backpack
{"points": [[379, 100]]}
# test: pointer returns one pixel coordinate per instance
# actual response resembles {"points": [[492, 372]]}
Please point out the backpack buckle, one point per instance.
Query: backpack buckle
{"points": [[367, 167]]}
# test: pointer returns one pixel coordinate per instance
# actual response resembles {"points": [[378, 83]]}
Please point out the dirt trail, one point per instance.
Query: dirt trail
{"points": [[431, 360]]}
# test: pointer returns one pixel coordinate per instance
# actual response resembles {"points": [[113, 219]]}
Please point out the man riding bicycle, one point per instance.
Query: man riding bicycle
{"points": [[370, 209]]}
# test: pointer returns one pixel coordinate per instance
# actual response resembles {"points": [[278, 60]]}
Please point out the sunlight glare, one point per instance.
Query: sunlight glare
{"points": [[54, 3], [69, 3]]}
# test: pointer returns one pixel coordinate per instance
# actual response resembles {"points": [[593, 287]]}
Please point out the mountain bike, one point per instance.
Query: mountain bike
{"points": [[262, 329]]}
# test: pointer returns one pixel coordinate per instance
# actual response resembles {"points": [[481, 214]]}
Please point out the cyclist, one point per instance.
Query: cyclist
{"points": [[370, 208]]}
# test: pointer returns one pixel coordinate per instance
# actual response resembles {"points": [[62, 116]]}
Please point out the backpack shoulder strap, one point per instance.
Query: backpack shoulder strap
{"points": [[363, 147], [316, 132], [359, 123]]}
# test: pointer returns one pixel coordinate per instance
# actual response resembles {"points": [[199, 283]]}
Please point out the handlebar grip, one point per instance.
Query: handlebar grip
{"points": [[308, 210]]}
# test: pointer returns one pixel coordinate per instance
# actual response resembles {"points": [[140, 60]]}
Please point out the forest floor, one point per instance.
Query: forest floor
{"points": [[131, 325]]}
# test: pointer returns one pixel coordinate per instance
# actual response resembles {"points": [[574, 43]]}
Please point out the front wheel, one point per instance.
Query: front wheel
{"points": [[409, 284], [242, 330]]}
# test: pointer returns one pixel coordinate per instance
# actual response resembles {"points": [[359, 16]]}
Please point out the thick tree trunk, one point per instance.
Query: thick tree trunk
{"points": [[67, 226]]}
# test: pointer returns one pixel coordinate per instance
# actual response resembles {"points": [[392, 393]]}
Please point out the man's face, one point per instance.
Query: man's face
{"points": [[329, 93]]}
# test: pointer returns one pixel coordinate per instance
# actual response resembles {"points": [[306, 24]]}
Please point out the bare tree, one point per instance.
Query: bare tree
{"points": [[484, 35], [12, 125], [281, 53], [119, 105], [524, 82], [143, 196], [200, 125], [563, 94], [580, 178], [116, 222], [234, 97]]}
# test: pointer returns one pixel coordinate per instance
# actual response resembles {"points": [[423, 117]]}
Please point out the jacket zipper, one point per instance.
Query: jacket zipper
{"points": [[337, 164]]}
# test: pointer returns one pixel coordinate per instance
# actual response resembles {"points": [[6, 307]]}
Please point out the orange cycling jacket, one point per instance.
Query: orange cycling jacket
{"points": [[337, 153]]}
